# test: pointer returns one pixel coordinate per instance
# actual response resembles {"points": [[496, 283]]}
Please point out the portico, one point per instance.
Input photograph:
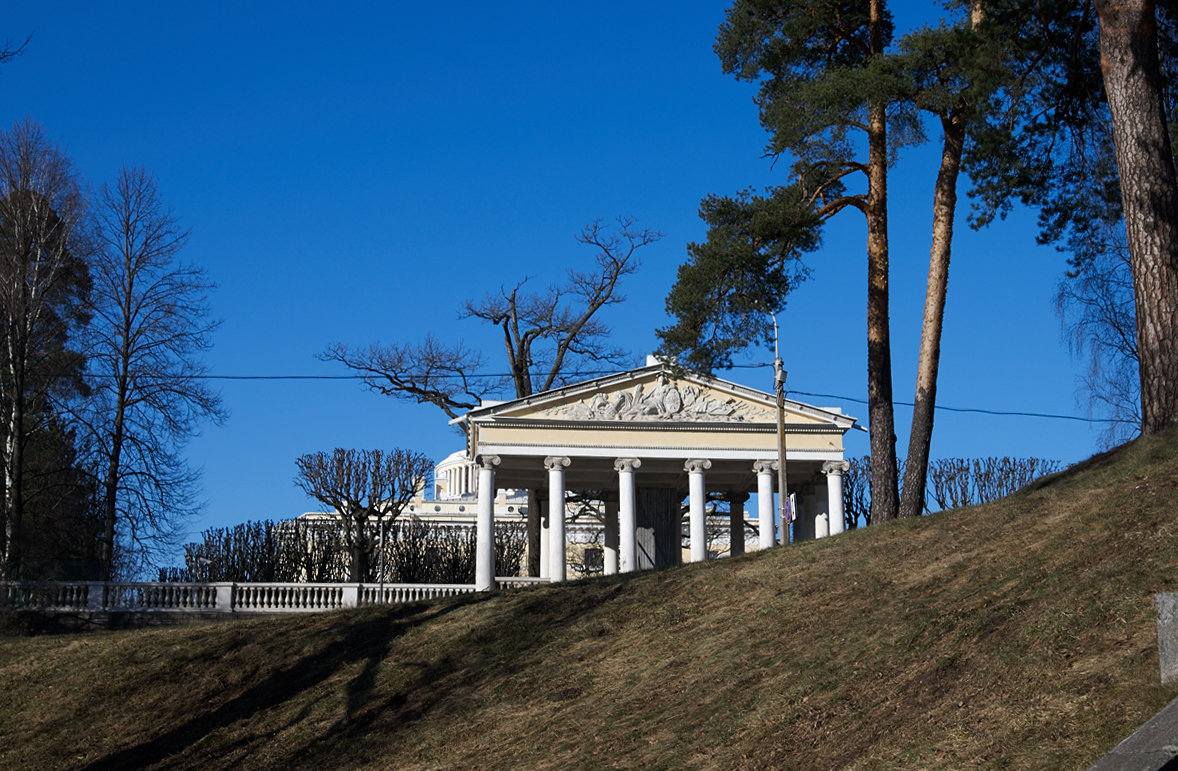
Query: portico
{"points": [[641, 442]]}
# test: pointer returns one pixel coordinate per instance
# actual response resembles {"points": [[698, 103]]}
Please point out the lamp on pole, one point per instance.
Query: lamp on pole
{"points": [[779, 388]]}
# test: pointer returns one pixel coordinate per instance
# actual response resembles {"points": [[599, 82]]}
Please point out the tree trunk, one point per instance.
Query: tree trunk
{"points": [[944, 209], [1149, 193], [110, 492], [14, 476], [884, 493], [359, 567]]}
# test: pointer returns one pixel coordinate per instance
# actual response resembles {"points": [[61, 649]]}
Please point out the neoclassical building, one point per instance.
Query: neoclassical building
{"points": [[643, 442]]}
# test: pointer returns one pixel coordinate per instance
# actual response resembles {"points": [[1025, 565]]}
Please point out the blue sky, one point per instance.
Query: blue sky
{"points": [[353, 171]]}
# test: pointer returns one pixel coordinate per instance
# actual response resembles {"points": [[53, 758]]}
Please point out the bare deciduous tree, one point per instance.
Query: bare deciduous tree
{"points": [[150, 323], [544, 335], [1097, 310], [43, 281], [363, 485], [857, 492]]}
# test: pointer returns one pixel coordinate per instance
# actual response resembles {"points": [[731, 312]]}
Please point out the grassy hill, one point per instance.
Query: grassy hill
{"points": [[1017, 635]]}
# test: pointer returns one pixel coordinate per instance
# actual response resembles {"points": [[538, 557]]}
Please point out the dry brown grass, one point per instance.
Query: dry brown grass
{"points": [[1017, 635]]}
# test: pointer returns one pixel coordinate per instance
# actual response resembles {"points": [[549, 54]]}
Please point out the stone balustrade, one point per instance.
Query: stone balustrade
{"points": [[224, 597]]}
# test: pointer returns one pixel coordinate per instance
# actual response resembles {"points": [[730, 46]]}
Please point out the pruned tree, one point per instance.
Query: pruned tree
{"points": [[150, 323], [44, 281], [363, 486], [298, 550], [957, 482], [996, 478], [951, 483]]}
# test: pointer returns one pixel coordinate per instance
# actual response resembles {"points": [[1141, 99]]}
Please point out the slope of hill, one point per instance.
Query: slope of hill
{"points": [[1019, 635]]}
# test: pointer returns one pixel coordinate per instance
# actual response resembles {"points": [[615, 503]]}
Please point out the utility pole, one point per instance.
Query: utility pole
{"points": [[779, 387]]}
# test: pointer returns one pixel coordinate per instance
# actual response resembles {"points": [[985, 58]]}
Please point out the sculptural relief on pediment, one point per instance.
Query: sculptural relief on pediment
{"points": [[667, 401]]}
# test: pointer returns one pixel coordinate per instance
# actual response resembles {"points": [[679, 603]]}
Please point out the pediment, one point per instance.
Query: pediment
{"points": [[653, 395]]}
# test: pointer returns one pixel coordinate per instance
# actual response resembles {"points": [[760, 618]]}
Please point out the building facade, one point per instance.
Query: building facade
{"points": [[648, 443]]}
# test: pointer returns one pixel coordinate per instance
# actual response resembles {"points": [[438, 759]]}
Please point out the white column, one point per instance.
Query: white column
{"points": [[556, 465], [545, 544], [610, 536], [627, 521], [484, 564], [765, 469], [821, 525], [834, 470], [697, 500]]}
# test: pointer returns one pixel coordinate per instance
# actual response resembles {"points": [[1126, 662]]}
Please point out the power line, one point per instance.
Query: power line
{"points": [[840, 397], [978, 410]]}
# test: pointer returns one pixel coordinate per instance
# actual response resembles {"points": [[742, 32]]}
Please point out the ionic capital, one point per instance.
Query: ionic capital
{"points": [[835, 467], [697, 465], [627, 464], [556, 462], [765, 467], [486, 461]]}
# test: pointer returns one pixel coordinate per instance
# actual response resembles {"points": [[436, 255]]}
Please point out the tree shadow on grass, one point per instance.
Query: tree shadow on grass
{"points": [[496, 648], [367, 641]]}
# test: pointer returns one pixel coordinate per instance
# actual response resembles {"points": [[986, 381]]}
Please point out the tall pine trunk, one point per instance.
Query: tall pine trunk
{"points": [[924, 406], [882, 426], [1149, 194]]}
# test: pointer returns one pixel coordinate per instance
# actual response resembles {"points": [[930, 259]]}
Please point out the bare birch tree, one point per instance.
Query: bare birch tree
{"points": [[43, 280], [150, 324]]}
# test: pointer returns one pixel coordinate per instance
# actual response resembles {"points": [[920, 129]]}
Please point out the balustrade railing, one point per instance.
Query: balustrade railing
{"points": [[226, 597]]}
